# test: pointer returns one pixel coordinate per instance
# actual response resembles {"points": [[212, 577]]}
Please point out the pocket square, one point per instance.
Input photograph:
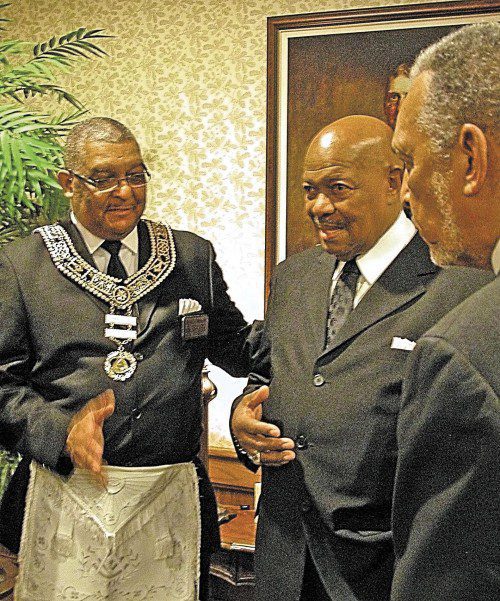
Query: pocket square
{"points": [[188, 305], [403, 344]]}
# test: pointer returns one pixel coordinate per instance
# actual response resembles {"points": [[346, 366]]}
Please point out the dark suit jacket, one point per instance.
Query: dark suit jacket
{"points": [[447, 490], [52, 352], [340, 405]]}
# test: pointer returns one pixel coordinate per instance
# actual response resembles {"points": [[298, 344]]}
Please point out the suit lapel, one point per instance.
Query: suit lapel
{"points": [[315, 294], [147, 304], [78, 243], [404, 280], [83, 251], [144, 244]]}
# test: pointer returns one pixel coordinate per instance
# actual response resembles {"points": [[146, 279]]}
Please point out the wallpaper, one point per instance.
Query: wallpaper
{"points": [[189, 78]]}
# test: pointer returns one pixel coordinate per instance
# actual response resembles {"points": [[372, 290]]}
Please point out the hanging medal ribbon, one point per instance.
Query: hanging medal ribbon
{"points": [[120, 365], [121, 295]]}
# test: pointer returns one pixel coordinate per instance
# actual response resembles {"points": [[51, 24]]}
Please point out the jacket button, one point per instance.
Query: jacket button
{"points": [[139, 356], [318, 380], [301, 443], [305, 506]]}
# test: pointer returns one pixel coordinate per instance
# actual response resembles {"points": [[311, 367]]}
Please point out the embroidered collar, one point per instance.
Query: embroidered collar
{"points": [[118, 294]]}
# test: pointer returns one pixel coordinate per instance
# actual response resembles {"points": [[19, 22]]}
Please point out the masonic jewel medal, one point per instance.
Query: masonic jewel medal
{"points": [[120, 364]]}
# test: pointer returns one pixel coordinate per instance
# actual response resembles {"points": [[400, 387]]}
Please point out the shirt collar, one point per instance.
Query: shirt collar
{"points": [[374, 262], [495, 258], [93, 242]]}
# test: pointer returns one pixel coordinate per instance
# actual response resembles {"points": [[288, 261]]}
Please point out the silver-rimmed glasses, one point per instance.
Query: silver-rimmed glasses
{"points": [[108, 184]]}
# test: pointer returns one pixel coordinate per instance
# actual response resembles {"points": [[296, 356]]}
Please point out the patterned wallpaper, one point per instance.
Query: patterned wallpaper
{"points": [[189, 78]]}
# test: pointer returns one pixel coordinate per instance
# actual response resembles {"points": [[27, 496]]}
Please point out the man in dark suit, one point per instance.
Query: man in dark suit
{"points": [[102, 345], [325, 429], [446, 519]]}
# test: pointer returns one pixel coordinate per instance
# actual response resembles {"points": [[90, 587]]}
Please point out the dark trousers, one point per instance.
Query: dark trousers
{"points": [[204, 577], [312, 587]]}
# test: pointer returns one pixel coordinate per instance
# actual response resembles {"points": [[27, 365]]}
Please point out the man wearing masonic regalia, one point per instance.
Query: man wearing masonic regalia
{"points": [[106, 322]]}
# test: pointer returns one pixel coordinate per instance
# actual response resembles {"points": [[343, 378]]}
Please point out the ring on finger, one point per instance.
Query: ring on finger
{"points": [[255, 458]]}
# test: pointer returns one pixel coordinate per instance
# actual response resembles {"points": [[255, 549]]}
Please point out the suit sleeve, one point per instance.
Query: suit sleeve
{"points": [[446, 513], [260, 375], [28, 424], [261, 372], [233, 342]]}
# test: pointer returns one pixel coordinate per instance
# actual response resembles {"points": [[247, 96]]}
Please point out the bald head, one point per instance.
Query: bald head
{"points": [[356, 139], [351, 182]]}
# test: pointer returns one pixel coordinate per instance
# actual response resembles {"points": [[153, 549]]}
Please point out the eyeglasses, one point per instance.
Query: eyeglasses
{"points": [[107, 184]]}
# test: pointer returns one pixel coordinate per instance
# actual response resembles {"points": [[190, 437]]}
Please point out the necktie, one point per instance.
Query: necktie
{"points": [[115, 266], [342, 300]]}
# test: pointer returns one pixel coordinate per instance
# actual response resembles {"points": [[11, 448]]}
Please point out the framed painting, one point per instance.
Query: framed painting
{"points": [[324, 66]]}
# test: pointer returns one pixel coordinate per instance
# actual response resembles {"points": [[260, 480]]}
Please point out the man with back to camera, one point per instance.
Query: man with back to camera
{"points": [[325, 429], [447, 493], [106, 322]]}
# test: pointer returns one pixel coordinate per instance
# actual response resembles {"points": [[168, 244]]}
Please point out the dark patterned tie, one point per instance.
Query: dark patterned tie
{"points": [[115, 266], [342, 300]]}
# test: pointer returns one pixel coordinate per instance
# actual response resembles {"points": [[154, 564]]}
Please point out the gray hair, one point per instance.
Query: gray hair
{"points": [[464, 83], [96, 129]]}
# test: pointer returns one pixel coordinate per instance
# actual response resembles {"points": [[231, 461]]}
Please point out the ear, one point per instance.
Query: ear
{"points": [[395, 179], [474, 145], [65, 180]]}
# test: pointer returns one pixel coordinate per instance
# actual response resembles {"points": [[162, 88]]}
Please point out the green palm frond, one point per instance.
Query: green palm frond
{"points": [[11, 48], [74, 44], [37, 75], [30, 156], [29, 162], [65, 121], [22, 90], [3, 20], [30, 149], [18, 120]]}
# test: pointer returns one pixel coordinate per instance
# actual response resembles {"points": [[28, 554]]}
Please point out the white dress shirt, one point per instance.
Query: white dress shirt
{"points": [[374, 262], [129, 252]]}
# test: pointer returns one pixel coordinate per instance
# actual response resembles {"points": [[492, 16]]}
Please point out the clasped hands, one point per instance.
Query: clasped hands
{"points": [[85, 441], [260, 440]]}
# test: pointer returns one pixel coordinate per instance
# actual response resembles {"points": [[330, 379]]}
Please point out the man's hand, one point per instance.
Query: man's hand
{"points": [[85, 442], [256, 436]]}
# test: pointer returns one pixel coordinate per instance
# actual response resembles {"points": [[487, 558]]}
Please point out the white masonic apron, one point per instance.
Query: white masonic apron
{"points": [[138, 539]]}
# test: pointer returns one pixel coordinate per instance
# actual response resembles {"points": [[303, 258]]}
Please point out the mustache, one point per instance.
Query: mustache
{"points": [[328, 221]]}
